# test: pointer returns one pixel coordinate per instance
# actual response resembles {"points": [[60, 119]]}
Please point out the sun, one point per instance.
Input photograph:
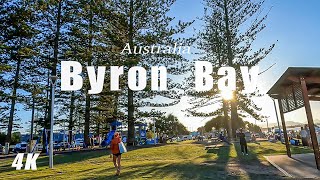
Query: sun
{"points": [[227, 95]]}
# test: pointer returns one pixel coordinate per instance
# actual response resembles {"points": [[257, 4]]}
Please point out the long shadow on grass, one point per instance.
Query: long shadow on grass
{"points": [[209, 169], [221, 162], [61, 159], [73, 157], [187, 170], [253, 166]]}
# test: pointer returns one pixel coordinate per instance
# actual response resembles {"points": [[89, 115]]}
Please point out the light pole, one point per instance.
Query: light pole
{"points": [[266, 118], [203, 126], [32, 120], [154, 130], [53, 81]]}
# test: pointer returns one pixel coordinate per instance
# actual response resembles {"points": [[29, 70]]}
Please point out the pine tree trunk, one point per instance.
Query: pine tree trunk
{"points": [[131, 137], [13, 101], [71, 123], [225, 114], [32, 120], [46, 116], [53, 67], [98, 128], [87, 119], [88, 98], [234, 113]]}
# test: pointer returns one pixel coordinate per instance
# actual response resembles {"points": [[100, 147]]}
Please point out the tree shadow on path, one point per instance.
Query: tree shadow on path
{"points": [[254, 167]]}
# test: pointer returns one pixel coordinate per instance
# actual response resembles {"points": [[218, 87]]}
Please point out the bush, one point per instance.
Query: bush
{"points": [[15, 138], [2, 138]]}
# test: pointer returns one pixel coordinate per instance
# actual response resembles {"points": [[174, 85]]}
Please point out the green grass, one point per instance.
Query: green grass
{"points": [[187, 160]]}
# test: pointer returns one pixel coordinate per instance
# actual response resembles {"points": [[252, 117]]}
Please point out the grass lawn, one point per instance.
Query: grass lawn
{"points": [[185, 160]]}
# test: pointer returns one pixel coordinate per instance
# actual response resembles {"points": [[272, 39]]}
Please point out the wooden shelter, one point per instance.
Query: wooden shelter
{"points": [[294, 90]]}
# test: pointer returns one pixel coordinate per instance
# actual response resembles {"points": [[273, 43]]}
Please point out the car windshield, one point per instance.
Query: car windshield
{"points": [[23, 145]]}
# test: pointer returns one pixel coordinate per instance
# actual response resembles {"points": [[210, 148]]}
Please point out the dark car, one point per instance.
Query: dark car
{"points": [[20, 147], [56, 146], [64, 145]]}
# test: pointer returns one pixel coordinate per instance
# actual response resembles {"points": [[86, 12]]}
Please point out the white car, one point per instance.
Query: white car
{"points": [[187, 137], [178, 139], [78, 143], [20, 147], [39, 147]]}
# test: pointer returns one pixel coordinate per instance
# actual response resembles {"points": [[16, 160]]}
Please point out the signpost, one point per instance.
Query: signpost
{"points": [[154, 130]]}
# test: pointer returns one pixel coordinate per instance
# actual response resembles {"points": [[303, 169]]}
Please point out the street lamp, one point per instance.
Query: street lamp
{"points": [[53, 81], [266, 118], [154, 131], [154, 124], [267, 125]]}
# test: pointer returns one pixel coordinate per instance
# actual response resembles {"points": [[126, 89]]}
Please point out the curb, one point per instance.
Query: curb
{"points": [[279, 168]]}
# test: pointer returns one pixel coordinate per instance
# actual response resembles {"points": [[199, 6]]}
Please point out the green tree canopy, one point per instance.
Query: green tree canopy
{"points": [[169, 125], [219, 122]]}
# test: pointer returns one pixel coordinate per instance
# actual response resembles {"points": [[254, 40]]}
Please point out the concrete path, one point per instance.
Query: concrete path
{"points": [[299, 166]]}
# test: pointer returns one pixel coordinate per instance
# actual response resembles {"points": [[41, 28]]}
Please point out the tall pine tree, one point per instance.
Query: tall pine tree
{"points": [[146, 23], [231, 28], [17, 42]]}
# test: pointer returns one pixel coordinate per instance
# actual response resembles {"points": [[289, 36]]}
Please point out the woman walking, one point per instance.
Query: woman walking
{"points": [[243, 143], [116, 152]]}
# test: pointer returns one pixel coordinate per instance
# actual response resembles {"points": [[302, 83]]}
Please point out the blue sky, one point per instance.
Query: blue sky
{"points": [[296, 26]]}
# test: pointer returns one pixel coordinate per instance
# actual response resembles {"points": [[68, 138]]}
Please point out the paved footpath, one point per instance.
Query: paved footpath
{"points": [[298, 166]]}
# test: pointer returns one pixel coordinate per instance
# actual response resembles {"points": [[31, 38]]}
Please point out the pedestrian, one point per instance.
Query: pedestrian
{"points": [[116, 152], [308, 136], [243, 143], [304, 134], [253, 137], [221, 136], [92, 141]]}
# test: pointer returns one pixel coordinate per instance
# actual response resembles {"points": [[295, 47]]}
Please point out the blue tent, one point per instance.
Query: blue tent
{"points": [[116, 123], [109, 136], [141, 124]]}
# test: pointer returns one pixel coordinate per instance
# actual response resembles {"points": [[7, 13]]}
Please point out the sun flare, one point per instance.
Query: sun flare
{"points": [[227, 95]]}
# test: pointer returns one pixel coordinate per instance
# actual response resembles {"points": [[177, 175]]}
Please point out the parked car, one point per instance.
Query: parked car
{"points": [[64, 145], [248, 136], [39, 147], [11, 147], [173, 139], [78, 143], [124, 139], [190, 137], [56, 146], [257, 135], [20, 147], [187, 137], [179, 139]]}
